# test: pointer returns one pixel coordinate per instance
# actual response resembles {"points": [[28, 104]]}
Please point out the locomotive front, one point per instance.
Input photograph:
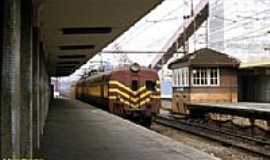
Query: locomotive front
{"points": [[134, 92]]}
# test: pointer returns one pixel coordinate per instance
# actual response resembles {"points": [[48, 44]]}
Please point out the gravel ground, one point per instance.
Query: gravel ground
{"points": [[212, 147]]}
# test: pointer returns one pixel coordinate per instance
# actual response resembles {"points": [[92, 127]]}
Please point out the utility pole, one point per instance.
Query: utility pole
{"points": [[192, 11], [184, 30], [102, 67], [194, 23], [206, 33]]}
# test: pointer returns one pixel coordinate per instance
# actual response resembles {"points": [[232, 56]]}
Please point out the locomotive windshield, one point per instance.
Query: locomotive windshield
{"points": [[134, 85], [150, 85]]}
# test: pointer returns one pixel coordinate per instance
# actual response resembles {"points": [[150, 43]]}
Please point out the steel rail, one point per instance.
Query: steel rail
{"points": [[250, 144]]}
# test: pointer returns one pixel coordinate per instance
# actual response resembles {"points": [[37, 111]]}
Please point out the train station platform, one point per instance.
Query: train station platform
{"points": [[76, 130], [245, 109]]}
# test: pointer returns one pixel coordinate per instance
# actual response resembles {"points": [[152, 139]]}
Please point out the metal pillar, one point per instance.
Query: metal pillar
{"points": [[10, 80], [44, 89], [35, 113], [26, 79]]}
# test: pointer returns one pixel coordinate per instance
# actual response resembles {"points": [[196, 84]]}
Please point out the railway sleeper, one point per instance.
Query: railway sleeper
{"points": [[251, 144]]}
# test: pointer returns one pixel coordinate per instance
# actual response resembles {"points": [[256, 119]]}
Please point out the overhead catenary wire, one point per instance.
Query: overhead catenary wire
{"points": [[134, 52], [240, 37], [242, 22], [136, 34], [149, 24], [145, 27]]}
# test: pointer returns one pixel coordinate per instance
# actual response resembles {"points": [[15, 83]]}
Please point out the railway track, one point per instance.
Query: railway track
{"points": [[256, 145]]}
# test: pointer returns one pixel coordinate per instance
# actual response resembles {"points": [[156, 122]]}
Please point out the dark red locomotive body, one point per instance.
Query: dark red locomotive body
{"points": [[132, 92]]}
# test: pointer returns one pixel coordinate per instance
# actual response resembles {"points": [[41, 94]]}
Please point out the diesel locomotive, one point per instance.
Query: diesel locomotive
{"points": [[132, 92]]}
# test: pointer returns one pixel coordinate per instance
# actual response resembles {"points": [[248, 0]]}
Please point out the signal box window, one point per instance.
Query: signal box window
{"points": [[181, 77], [134, 85], [205, 77], [150, 85]]}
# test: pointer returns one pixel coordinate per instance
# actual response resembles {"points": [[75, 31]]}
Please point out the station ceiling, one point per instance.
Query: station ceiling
{"points": [[74, 31]]}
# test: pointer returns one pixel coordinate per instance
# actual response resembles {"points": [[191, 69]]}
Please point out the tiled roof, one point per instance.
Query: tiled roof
{"points": [[205, 57]]}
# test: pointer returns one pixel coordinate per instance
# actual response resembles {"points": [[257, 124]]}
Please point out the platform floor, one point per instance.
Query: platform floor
{"points": [[243, 109], [76, 130], [259, 107]]}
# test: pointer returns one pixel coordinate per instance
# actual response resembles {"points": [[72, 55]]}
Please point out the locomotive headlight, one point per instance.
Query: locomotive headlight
{"points": [[135, 67]]}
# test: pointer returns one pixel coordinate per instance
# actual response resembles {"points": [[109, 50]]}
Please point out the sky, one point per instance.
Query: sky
{"points": [[153, 31], [149, 34], [242, 27]]}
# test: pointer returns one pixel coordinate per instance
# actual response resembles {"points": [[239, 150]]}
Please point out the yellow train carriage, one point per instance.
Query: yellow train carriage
{"points": [[129, 92]]}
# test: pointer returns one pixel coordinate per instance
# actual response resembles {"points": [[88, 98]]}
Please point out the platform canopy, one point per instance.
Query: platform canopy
{"points": [[73, 31], [262, 63]]}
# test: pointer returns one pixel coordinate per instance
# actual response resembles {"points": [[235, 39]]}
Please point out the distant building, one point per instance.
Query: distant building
{"points": [[166, 88], [240, 28]]}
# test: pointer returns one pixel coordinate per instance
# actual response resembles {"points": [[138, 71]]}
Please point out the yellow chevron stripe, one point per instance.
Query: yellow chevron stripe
{"points": [[112, 97], [145, 94], [145, 101], [135, 105], [144, 98], [141, 89], [128, 103], [152, 97], [116, 90], [132, 104], [155, 97], [135, 100], [120, 85]]}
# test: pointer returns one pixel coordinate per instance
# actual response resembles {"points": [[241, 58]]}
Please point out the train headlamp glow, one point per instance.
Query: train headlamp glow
{"points": [[135, 67]]}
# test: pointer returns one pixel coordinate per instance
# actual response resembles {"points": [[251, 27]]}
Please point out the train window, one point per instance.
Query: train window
{"points": [[134, 85], [150, 85]]}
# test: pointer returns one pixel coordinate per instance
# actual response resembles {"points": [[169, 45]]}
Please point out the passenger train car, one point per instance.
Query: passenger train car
{"points": [[131, 92]]}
